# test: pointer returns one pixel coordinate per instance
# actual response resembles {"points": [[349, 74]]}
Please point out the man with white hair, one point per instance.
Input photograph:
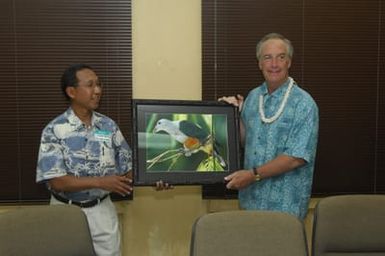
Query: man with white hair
{"points": [[279, 129]]}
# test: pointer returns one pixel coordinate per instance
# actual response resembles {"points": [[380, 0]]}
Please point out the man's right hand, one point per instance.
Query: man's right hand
{"points": [[118, 184], [233, 100], [239, 179], [113, 183]]}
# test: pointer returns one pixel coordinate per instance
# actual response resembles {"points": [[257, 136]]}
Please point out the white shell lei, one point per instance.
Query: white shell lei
{"points": [[281, 108]]}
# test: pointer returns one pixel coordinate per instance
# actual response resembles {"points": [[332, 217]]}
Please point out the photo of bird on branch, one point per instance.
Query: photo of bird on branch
{"points": [[187, 142]]}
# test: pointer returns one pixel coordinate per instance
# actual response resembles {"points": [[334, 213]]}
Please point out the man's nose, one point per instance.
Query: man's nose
{"points": [[98, 89], [274, 61]]}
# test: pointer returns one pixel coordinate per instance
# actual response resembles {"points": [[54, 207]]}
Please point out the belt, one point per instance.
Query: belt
{"points": [[85, 204]]}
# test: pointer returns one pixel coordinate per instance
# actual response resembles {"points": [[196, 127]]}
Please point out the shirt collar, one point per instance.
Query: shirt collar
{"points": [[75, 121], [278, 92]]}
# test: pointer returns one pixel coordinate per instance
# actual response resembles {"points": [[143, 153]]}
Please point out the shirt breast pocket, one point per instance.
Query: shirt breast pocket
{"points": [[107, 157], [282, 131]]}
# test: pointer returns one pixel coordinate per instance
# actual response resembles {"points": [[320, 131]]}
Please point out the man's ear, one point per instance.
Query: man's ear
{"points": [[70, 90]]}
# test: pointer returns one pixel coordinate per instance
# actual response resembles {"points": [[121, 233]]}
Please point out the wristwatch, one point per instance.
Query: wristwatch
{"points": [[256, 174]]}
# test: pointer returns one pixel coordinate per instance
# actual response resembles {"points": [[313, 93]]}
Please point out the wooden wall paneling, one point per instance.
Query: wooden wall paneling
{"points": [[336, 47], [43, 38], [10, 168], [380, 157], [340, 71]]}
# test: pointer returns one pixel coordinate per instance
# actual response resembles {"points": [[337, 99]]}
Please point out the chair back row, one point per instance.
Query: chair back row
{"points": [[349, 225], [244, 233], [60, 230]]}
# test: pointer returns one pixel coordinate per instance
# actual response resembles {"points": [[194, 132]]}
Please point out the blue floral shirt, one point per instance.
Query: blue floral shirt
{"points": [[68, 147], [295, 134]]}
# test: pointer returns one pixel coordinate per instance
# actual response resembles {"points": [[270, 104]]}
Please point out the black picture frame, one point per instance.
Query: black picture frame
{"points": [[184, 142]]}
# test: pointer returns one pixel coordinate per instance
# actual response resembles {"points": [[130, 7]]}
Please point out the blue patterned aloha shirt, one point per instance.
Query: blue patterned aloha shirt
{"points": [[69, 148], [295, 134]]}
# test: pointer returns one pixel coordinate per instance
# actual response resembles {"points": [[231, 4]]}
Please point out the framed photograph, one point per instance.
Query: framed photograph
{"points": [[184, 142]]}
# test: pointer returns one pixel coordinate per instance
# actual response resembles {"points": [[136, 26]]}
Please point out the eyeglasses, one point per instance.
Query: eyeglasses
{"points": [[91, 84]]}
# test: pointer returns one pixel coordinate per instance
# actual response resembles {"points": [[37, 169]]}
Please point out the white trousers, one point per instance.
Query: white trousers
{"points": [[104, 227]]}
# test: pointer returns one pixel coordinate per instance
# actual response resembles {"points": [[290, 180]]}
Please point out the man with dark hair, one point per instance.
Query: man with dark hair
{"points": [[83, 157], [279, 128]]}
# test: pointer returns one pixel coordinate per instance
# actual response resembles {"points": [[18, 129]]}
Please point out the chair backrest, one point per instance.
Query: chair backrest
{"points": [[244, 233], [45, 230], [349, 225]]}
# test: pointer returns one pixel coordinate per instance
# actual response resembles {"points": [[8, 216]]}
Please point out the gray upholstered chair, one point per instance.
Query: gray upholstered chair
{"points": [[349, 225], [45, 230], [244, 233]]}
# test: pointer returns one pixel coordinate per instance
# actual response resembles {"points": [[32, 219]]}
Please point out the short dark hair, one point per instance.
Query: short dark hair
{"points": [[69, 77]]}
